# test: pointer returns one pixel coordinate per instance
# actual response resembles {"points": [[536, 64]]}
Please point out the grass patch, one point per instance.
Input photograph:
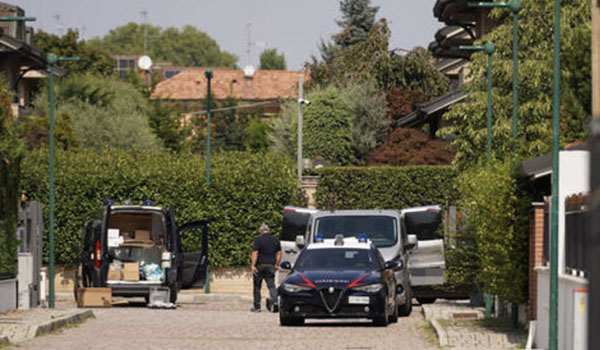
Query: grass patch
{"points": [[501, 324], [428, 333]]}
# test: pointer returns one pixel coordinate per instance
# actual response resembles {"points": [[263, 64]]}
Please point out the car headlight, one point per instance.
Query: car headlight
{"points": [[294, 288], [370, 288]]}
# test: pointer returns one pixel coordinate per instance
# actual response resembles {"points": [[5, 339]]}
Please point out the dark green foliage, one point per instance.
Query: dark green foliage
{"points": [[246, 189], [187, 46], [358, 17], [385, 187], [69, 45], [327, 127], [270, 59], [255, 135], [11, 150]]}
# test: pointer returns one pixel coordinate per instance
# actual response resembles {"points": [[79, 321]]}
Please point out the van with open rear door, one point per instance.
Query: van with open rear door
{"points": [[134, 248]]}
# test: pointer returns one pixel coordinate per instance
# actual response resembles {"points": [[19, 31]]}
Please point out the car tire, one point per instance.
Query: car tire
{"points": [[290, 321], [394, 316], [423, 300], [381, 321], [405, 309]]}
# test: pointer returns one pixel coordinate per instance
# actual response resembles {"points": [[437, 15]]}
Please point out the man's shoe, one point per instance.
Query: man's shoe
{"points": [[269, 304], [275, 307], [254, 310]]}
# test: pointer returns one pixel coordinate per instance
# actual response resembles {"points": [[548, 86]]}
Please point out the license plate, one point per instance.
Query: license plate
{"points": [[358, 300]]}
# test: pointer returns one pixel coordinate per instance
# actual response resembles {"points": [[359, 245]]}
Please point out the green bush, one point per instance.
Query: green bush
{"points": [[385, 187], [496, 205], [246, 189]]}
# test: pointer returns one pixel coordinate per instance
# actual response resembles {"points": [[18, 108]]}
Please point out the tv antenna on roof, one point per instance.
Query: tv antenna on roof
{"points": [[144, 14]]}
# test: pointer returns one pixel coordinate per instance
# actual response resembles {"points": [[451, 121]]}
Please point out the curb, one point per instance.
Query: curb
{"points": [[45, 327], [437, 327]]}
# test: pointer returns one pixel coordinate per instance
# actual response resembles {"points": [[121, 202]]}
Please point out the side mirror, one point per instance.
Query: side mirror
{"points": [[300, 242], [286, 265], [390, 264], [411, 242]]}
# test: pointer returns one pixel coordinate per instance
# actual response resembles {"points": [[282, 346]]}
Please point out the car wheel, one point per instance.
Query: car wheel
{"points": [[394, 315], [290, 321], [423, 300], [383, 319], [405, 309]]}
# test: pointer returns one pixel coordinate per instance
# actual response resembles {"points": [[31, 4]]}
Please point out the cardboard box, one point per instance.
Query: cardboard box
{"points": [[94, 297], [141, 235], [115, 275], [131, 271]]}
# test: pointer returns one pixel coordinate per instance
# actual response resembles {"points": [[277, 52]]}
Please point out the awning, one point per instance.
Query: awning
{"points": [[35, 57], [542, 165]]}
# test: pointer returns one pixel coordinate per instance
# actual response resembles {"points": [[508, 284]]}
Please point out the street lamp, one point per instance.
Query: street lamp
{"points": [[489, 49], [52, 60], [208, 74], [514, 6]]}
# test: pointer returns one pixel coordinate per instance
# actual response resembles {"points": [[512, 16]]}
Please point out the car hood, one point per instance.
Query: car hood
{"points": [[322, 278]]}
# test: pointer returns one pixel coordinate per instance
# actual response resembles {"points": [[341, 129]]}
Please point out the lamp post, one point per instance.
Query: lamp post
{"points": [[514, 6], [553, 326], [16, 19], [489, 49], [52, 60], [208, 74]]}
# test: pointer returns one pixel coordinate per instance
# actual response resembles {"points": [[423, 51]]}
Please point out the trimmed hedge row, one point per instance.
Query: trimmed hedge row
{"points": [[385, 187], [246, 189]]}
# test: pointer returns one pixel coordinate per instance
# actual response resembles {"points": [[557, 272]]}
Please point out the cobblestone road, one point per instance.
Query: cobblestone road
{"points": [[227, 325]]}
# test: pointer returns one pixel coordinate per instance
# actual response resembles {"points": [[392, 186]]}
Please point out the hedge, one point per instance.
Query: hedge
{"points": [[246, 190], [385, 187]]}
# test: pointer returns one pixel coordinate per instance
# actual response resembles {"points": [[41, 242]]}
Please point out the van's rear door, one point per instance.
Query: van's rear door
{"points": [[427, 262], [294, 224], [194, 250]]}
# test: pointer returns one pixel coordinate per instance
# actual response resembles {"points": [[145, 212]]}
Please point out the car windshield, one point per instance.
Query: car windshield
{"points": [[381, 230], [336, 259]]}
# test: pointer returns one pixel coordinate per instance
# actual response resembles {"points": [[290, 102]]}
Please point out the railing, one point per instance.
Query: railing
{"points": [[576, 218]]}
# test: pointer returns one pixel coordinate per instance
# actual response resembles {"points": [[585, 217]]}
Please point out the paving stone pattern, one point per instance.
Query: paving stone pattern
{"points": [[219, 323], [21, 325]]}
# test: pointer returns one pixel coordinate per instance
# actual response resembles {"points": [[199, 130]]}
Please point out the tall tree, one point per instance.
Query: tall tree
{"points": [[187, 46], [271, 60], [468, 120], [358, 17], [96, 61]]}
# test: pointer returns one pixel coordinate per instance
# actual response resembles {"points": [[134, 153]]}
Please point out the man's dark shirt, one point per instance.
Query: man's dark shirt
{"points": [[267, 247]]}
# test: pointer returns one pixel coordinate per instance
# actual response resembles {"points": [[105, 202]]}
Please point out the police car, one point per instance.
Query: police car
{"points": [[339, 278]]}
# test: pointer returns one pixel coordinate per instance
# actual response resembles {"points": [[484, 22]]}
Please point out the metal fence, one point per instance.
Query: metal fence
{"points": [[576, 217]]}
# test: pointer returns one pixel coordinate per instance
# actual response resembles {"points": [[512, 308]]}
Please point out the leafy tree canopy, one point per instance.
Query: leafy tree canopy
{"points": [[69, 45], [270, 59], [358, 17], [187, 46], [535, 86]]}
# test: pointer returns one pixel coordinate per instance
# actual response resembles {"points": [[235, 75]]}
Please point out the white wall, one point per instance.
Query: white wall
{"points": [[573, 179], [8, 295], [567, 285]]}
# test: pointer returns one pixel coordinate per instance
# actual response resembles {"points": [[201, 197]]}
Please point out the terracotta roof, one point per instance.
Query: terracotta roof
{"points": [[190, 84]]}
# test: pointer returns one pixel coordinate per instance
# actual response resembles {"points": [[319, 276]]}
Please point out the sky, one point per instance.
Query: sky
{"points": [[293, 27]]}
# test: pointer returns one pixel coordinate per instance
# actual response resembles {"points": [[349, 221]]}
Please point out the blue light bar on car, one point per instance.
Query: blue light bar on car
{"points": [[147, 202], [109, 202], [362, 238], [319, 238]]}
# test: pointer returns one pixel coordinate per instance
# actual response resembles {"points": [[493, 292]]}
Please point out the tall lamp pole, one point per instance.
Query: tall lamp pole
{"points": [[52, 60], [553, 334], [514, 6], [208, 74], [489, 49]]}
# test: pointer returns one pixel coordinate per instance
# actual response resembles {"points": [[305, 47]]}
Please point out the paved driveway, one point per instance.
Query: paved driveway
{"points": [[227, 324]]}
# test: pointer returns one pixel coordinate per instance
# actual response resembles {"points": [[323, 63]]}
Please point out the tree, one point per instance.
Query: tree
{"points": [[271, 60], [105, 112], [468, 119], [69, 45], [187, 46], [281, 138], [255, 135], [327, 128], [411, 147], [358, 17]]}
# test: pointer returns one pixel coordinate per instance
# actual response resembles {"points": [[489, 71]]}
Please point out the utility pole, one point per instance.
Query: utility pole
{"points": [[300, 102], [593, 229]]}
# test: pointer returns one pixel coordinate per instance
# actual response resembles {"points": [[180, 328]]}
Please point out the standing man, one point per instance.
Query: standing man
{"points": [[266, 254]]}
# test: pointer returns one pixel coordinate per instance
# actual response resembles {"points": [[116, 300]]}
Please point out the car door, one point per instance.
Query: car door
{"points": [[295, 221], [193, 244], [426, 262]]}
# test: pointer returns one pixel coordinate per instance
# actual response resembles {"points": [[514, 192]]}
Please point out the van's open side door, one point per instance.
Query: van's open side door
{"points": [[427, 262], [294, 224], [193, 240]]}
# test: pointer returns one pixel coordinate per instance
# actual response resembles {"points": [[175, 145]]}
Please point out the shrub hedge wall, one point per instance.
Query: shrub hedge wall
{"points": [[385, 187], [246, 189]]}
